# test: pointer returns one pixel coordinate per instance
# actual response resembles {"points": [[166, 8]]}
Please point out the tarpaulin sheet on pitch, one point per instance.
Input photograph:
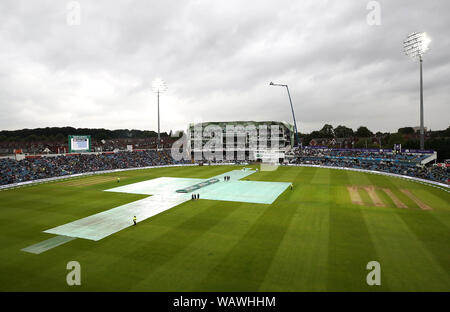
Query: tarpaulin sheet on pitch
{"points": [[164, 197]]}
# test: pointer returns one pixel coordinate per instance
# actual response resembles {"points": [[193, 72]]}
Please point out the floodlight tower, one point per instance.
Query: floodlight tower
{"points": [[159, 86], [292, 108], [415, 46]]}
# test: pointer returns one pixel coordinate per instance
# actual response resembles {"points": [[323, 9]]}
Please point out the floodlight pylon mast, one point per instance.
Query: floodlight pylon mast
{"points": [[292, 108], [422, 134], [159, 134], [158, 87], [415, 46]]}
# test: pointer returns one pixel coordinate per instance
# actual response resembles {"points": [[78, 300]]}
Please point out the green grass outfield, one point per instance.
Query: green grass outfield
{"points": [[312, 238]]}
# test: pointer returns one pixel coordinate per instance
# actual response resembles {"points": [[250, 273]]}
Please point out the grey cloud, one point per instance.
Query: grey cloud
{"points": [[218, 58]]}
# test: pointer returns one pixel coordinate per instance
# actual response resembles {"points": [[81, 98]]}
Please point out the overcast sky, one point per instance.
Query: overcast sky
{"points": [[218, 58]]}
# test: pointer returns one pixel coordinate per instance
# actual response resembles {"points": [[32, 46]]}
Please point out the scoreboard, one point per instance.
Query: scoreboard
{"points": [[79, 143]]}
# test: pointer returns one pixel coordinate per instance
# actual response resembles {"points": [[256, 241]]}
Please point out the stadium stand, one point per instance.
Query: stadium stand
{"points": [[404, 163], [40, 167], [40, 147]]}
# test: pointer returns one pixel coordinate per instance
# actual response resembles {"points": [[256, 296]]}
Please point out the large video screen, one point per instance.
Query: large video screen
{"points": [[79, 143]]}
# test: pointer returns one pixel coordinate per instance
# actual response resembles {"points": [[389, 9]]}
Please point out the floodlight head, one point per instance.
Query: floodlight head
{"points": [[159, 85], [416, 44], [277, 84]]}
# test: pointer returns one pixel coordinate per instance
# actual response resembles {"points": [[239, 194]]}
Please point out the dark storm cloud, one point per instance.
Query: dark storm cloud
{"points": [[218, 58]]}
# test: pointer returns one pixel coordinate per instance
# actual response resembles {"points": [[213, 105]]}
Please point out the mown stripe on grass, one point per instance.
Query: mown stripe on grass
{"points": [[426, 225], [300, 263], [186, 270], [90, 181], [365, 197], [245, 265], [340, 177], [442, 193], [431, 198], [406, 262], [321, 176], [147, 258], [350, 246], [433, 234], [308, 174], [302, 258]]}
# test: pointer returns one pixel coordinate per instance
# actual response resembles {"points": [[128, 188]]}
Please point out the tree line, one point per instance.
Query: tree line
{"points": [[364, 138], [60, 134]]}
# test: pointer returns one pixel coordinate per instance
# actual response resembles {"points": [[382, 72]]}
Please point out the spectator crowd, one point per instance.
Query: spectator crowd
{"points": [[391, 162], [13, 171], [33, 168]]}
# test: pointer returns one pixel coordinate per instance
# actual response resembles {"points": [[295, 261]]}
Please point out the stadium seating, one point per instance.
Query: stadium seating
{"points": [[385, 161], [12, 171]]}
